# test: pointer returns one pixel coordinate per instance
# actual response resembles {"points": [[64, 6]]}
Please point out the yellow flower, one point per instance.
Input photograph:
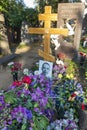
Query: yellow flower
{"points": [[26, 87], [60, 76], [69, 76]]}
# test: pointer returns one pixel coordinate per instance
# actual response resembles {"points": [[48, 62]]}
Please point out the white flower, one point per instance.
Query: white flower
{"points": [[59, 62], [26, 71], [54, 40], [77, 93], [36, 72], [10, 63]]}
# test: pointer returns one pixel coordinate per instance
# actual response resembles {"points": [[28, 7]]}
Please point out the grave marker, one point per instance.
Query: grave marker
{"points": [[72, 11], [47, 17], [24, 32]]}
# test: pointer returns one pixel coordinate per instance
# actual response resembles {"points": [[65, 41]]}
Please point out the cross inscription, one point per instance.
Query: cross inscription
{"points": [[47, 17]]}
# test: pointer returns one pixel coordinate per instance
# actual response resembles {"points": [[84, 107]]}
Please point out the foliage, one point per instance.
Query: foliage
{"points": [[4, 5], [83, 49], [32, 102], [23, 106], [63, 124], [72, 68], [85, 68], [15, 13], [31, 16], [69, 94], [42, 3]]}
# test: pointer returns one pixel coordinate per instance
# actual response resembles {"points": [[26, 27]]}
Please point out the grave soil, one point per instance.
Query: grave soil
{"points": [[27, 57]]}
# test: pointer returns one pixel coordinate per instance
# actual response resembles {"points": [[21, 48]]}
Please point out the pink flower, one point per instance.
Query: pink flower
{"points": [[17, 83], [26, 79], [73, 95], [61, 56], [82, 106], [83, 54]]}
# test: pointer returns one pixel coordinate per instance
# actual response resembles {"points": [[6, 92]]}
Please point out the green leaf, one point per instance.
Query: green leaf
{"points": [[44, 122], [29, 104], [41, 122], [36, 105], [34, 128], [24, 126], [10, 97], [35, 85]]}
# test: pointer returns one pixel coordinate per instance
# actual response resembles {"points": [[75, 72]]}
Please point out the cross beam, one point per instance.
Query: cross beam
{"points": [[47, 17]]}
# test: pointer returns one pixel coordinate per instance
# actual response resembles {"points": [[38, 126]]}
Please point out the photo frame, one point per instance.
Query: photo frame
{"points": [[45, 68]]}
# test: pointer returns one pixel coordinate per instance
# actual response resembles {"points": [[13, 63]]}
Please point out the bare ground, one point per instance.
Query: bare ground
{"points": [[27, 56]]}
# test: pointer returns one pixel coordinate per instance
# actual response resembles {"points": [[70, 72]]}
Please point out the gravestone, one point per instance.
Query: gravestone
{"points": [[4, 45], [24, 32], [71, 16], [47, 17]]}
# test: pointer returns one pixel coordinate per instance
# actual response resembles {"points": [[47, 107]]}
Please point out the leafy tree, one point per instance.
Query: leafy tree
{"points": [[13, 11], [31, 17], [54, 3], [4, 5]]}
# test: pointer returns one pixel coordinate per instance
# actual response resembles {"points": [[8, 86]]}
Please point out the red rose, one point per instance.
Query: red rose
{"points": [[73, 95], [82, 106], [65, 67], [17, 83], [26, 79], [17, 65], [61, 56], [83, 54]]}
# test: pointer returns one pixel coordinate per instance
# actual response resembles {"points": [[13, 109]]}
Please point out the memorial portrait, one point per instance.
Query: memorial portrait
{"points": [[45, 68]]}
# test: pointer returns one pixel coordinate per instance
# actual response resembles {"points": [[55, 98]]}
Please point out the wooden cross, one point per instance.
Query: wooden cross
{"points": [[47, 17]]}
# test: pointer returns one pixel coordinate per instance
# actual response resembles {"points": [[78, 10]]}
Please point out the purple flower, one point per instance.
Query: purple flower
{"points": [[30, 128], [34, 97], [36, 109], [19, 93], [10, 122], [55, 74], [29, 114], [19, 119], [55, 67], [39, 92], [5, 128], [2, 103], [21, 112], [26, 92], [43, 102], [12, 87]]}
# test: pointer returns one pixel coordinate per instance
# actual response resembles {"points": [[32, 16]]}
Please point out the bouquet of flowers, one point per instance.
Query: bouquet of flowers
{"points": [[14, 67], [25, 104], [68, 94]]}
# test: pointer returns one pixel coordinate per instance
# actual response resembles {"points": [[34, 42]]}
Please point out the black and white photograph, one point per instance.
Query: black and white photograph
{"points": [[45, 68]]}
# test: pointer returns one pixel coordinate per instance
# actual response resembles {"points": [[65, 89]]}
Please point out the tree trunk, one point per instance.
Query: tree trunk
{"points": [[4, 45]]}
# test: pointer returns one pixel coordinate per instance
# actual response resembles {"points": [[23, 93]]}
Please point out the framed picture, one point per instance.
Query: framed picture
{"points": [[45, 68]]}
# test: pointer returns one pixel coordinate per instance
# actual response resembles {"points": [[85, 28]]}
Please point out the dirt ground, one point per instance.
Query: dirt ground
{"points": [[27, 56]]}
